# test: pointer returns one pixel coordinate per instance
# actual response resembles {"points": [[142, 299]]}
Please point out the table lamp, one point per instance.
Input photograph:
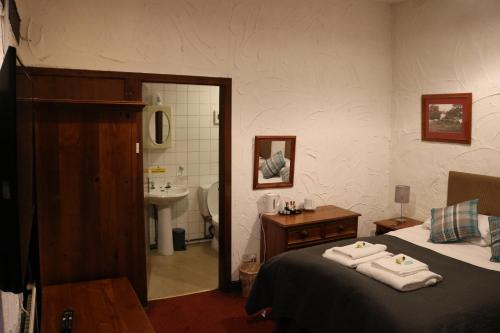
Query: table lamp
{"points": [[402, 196]]}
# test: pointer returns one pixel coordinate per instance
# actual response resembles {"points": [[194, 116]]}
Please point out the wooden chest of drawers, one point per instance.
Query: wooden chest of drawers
{"points": [[281, 233]]}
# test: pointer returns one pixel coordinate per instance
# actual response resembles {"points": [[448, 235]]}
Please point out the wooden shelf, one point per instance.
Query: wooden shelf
{"points": [[99, 306], [83, 102]]}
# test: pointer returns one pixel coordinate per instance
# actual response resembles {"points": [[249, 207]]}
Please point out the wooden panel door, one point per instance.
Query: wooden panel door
{"points": [[88, 186]]}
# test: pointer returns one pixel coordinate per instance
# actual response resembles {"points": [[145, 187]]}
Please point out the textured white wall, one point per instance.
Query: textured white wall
{"points": [[320, 70], [7, 36], [3, 31], [444, 46], [10, 313]]}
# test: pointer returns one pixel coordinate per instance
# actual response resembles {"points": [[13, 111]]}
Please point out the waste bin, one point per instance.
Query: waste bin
{"points": [[248, 273], [179, 236]]}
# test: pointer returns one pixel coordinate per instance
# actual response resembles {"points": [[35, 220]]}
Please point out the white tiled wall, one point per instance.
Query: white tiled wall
{"points": [[195, 147]]}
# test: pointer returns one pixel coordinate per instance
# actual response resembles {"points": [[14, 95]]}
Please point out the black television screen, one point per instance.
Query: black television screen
{"points": [[16, 176]]}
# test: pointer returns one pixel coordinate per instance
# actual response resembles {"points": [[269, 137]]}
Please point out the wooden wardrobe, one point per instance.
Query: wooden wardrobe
{"points": [[89, 181]]}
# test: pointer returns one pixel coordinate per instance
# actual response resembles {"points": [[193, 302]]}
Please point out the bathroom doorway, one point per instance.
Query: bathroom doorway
{"points": [[183, 142]]}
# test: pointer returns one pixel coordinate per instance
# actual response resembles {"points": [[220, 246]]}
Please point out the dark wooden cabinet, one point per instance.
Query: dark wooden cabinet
{"points": [[99, 306], [89, 191], [384, 226], [281, 233], [88, 176], [90, 179]]}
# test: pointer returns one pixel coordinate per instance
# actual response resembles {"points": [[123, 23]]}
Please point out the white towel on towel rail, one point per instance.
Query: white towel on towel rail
{"points": [[364, 249], [349, 262], [402, 283]]}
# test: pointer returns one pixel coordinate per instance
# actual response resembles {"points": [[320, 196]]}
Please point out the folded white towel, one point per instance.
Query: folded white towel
{"points": [[349, 262], [360, 249], [401, 265], [402, 283]]}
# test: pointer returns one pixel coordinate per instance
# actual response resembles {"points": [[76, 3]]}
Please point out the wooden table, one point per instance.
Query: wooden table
{"points": [[281, 233], [102, 306], [384, 226]]}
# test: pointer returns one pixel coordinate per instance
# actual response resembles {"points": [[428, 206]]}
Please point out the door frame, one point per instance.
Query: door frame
{"points": [[225, 86]]}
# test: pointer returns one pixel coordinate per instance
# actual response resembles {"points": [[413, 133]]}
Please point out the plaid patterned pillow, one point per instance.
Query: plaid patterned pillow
{"points": [[273, 165], [285, 174], [495, 238], [454, 223]]}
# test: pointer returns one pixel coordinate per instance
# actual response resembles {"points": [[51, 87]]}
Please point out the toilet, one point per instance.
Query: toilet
{"points": [[208, 199]]}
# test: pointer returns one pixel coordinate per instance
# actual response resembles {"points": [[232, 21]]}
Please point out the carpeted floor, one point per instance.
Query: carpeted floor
{"points": [[207, 312]]}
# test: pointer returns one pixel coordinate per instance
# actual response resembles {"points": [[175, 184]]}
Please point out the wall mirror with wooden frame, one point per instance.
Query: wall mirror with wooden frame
{"points": [[157, 127], [274, 161]]}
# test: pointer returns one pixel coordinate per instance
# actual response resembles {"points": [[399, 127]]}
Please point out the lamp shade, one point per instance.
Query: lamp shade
{"points": [[402, 194]]}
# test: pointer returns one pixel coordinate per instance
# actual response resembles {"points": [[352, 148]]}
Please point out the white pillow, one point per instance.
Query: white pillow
{"points": [[427, 223], [477, 241], [484, 229]]}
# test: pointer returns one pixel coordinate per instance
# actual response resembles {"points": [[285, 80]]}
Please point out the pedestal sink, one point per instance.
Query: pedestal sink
{"points": [[163, 198]]}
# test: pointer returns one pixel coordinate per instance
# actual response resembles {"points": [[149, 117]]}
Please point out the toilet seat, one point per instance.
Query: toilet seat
{"points": [[213, 201]]}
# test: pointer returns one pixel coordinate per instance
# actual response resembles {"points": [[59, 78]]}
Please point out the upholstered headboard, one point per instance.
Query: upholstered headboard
{"points": [[465, 186]]}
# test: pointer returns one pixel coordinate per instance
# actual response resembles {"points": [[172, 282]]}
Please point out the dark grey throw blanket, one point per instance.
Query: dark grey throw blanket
{"points": [[321, 296]]}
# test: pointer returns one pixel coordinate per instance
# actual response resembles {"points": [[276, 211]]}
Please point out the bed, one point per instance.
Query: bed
{"points": [[312, 294]]}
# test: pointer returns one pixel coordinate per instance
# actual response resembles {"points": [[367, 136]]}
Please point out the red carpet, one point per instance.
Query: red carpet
{"points": [[207, 312]]}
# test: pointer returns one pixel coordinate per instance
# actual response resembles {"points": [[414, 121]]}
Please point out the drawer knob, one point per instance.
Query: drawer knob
{"points": [[304, 233], [341, 227]]}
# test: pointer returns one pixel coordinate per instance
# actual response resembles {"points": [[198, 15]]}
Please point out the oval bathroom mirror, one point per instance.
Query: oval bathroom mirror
{"points": [[158, 126]]}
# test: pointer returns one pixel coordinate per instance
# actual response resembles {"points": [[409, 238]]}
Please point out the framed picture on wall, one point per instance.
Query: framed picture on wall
{"points": [[447, 118], [274, 162]]}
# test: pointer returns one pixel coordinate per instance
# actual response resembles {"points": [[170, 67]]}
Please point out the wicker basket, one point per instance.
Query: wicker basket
{"points": [[248, 272]]}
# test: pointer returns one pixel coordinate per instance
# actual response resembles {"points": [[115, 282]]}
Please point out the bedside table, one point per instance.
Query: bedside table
{"points": [[280, 233], [384, 226]]}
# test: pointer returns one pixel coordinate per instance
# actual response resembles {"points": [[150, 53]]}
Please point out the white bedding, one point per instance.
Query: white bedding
{"points": [[263, 180], [467, 252]]}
